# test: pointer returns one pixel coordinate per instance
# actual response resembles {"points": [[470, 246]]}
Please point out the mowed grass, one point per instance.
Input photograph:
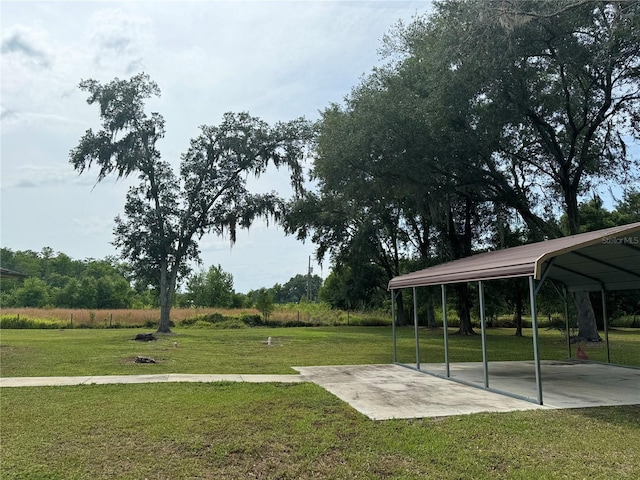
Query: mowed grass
{"points": [[188, 350], [208, 350], [286, 431], [294, 431]]}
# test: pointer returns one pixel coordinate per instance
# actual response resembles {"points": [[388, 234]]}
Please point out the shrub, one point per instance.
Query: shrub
{"points": [[152, 324], [201, 324], [203, 319], [252, 320], [369, 322], [188, 322], [214, 318], [230, 324], [14, 321], [628, 321]]}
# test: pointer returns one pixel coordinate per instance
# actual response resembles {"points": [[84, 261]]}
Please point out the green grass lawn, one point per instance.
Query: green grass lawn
{"points": [[208, 350], [294, 431], [285, 431]]}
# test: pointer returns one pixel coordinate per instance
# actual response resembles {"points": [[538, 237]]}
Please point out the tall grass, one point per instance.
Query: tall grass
{"points": [[283, 315]]}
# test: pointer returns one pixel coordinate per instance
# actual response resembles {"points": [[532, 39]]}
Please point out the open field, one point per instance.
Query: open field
{"points": [[285, 431], [208, 350]]}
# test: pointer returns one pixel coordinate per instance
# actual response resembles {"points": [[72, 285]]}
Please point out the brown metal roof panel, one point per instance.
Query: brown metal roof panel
{"points": [[523, 260], [452, 274], [611, 237]]}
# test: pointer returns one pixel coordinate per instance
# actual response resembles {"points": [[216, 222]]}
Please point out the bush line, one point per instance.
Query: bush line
{"points": [[215, 320]]}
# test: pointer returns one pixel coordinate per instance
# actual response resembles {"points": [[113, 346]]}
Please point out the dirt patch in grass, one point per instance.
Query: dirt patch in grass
{"points": [[132, 361]]}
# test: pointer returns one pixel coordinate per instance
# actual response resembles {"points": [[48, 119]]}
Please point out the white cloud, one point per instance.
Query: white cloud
{"points": [[26, 46], [40, 176], [121, 39], [276, 59], [93, 226]]}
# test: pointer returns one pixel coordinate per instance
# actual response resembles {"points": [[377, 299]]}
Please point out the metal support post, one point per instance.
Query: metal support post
{"points": [[605, 320], [485, 365], [534, 330], [415, 322], [445, 327], [393, 325], [566, 317]]}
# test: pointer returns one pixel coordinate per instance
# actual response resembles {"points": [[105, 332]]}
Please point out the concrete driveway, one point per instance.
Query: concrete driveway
{"points": [[391, 391], [565, 384]]}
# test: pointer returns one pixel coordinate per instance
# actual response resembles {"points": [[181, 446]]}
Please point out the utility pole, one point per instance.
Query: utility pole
{"points": [[309, 271]]}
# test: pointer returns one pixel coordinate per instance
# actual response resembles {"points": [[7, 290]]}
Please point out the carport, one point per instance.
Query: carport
{"points": [[603, 260], [6, 273]]}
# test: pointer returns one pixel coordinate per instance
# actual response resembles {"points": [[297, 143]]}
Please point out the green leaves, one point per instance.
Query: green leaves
{"points": [[166, 215], [127, 140]]}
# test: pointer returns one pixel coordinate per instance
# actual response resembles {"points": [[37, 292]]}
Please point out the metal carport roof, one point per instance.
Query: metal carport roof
{"points": [[6, 273], [603, 260], [606, 259]]}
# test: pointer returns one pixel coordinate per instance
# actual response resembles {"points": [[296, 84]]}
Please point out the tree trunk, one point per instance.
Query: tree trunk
{"points": [[587, 327], [517, 314], [400, 322], [165, 312], [519, 293], [166, 300], [464, 310], [431, 314]]}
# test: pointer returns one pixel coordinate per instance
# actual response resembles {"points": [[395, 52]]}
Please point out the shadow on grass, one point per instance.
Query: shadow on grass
{"points": [[623, 415]]}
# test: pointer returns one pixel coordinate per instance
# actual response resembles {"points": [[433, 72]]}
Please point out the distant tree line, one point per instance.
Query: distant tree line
{"points": [[58, 281]]}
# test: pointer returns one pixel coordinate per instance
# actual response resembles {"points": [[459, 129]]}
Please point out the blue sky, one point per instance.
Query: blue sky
{"points": [[278, 60]]}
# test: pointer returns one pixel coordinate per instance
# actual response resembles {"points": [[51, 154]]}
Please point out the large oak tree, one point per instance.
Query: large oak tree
{"points": [[563, 80], [166, 214], [554, 87]]}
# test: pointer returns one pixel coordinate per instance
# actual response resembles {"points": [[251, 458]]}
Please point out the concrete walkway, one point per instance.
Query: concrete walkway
{"points": [[388, 391], [162, 378]]}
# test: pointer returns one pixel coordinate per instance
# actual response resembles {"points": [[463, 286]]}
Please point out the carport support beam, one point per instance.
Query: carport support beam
{"points": [[534, 330], [566, 318], [393, 325], [445, 327], [415, 322], [485, 366], [605, 320]]}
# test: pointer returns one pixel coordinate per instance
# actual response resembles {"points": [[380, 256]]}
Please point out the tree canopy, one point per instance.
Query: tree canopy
{"points": [[166, 214], [56, 280], [488, 118]]}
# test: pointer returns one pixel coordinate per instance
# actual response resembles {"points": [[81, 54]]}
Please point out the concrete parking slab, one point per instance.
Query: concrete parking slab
{"points": [[383, 392], [392, 391], [565, 384]]}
